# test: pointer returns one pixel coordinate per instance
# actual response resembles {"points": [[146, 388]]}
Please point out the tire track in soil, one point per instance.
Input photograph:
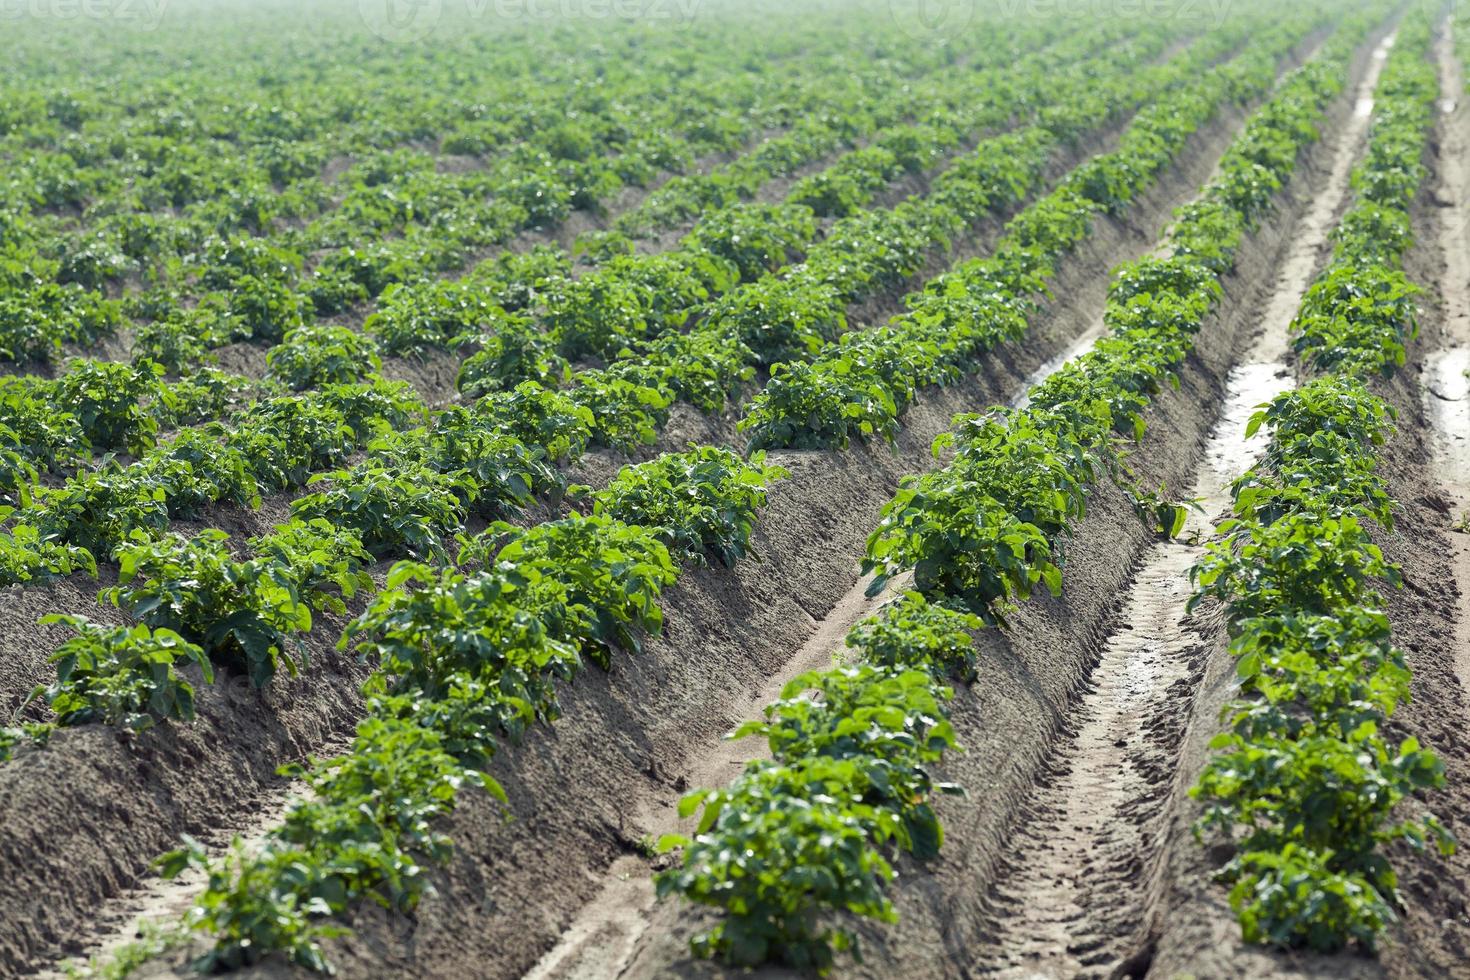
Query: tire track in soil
{"points": [[152, 900], [1446, 387], [164, 902], [604, 939], [1072, 902]]}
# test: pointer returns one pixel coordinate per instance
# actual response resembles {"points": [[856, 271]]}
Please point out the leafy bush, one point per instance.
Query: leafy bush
{"points": [[411, 320], [848, 775], [241, 612], [122, 675], [324, 562], [539, 417], [626, 412], [322, 354], [111, 402], [500, 472], [594, 582], [515, 353], [699, 502], [822, 406], [100, 509], [394, 509], [983, 529], [26, 556], [912, 632]]}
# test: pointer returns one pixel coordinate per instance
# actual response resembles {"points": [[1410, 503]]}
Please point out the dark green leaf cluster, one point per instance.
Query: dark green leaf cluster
{"points": [[810, 830], [125, 676], [1306, 777], [700, 502], [243, 613]]}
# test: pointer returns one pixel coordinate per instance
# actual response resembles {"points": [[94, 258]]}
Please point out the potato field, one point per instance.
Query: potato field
{"points": [[578, 489]]}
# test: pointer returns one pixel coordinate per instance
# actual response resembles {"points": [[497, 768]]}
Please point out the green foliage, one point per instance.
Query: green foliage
{"points": [[700, 502], [757, 238], [496, 472], [1304, 560], [981, 530], [804, 833], [432, 629], [543, 418], [626, 410], [50, 436], [322, 354], [914, 633], [363, 832], [395, 510], [780, 321], [122, 675], [411, 320], [110, 401], [818, 406], [243, 613], [602, 578], [286, 438], [100, 509], [1305, 779], [515, 353], [36, 321], [26, 556], [1357, 319], [324, 562]]}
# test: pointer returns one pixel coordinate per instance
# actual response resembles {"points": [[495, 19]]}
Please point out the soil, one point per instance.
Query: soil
{"points": [[1071, 854], [1195, 932], [632, 741]]}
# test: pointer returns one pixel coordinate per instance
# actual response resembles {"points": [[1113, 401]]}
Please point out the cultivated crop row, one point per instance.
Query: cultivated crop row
{"points": [[98, 197], [508, 445], [113, 407], [213, 279], [805, 836], [1306, 781], [465, 656]]}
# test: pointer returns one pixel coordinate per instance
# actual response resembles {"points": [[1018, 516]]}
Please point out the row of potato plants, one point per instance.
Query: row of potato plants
{"points": [[468, 656], [771, 913], [985, 99], [988, 527], [858, 386], [1306, 781], [224, 462], [801, 840], [787, 314], [491, 458], [318, 354], [126, 183], [126, 178], [418, 311], [198, 601]]}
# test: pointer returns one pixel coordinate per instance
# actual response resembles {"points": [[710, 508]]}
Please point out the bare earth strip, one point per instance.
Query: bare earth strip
{"points": [[1195, 932], [1074, 901]]}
